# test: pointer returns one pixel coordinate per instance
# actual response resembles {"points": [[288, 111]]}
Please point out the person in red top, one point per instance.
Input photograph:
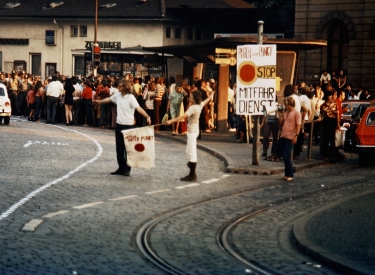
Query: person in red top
{"points": [[87, 103], [102, 91], [30, 99], [340, 98]]}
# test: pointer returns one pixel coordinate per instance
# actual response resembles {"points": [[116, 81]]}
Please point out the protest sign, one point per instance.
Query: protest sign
{"points": [[256, 78], [140, 147]]}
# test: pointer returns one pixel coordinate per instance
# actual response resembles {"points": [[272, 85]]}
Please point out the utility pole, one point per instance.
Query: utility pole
{"points": [[256, 137], [95, 68]]}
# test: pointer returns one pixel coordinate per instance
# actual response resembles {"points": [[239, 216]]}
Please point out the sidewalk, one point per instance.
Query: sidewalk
{"points": [[311, 229], [238, 157]]}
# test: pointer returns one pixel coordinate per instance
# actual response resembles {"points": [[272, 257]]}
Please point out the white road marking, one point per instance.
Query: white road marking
{"points": [[54, 214], [225, 176], [32, 225], [123, 198], [28, 144], [158, 191], [15, 206], [210, 181], [88, 205], [45, 143], [187, 186]]}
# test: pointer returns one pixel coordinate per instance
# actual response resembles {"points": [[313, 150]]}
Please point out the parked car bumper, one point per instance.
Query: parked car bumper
{"points": [[5, 113]]}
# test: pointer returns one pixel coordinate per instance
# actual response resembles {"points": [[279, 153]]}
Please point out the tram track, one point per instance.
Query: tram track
{"points": [[224, 233]]}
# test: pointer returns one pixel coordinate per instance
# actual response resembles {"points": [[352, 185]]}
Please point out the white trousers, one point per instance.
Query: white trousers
{"points": [[191, 146]]}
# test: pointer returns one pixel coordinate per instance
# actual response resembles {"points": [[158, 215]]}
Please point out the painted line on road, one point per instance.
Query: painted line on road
{"points": [[54, 214], [15, 206], [225, 176], [32, 225], [87, 205], [158, 191], [123, 198], [187, 186], [210, 181]]}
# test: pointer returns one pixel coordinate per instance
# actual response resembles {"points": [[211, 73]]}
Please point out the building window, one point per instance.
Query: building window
{"points": [[79, 65], [36, 64], [50, 69], [190, 34], [50, 37], [198, 35], [337, 46], [168, 32], [177, 33], [19, 65], [1, 61], [73, 31], [83, 31]]}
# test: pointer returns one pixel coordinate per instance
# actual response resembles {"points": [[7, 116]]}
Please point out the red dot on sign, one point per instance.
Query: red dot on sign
{"points": [[247, 73], [139, 147]]}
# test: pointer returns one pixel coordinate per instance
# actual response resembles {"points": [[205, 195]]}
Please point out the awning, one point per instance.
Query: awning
{"points": [[203, 51]]}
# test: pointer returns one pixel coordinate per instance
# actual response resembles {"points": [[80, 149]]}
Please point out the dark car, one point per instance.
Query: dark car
{"points": [[351, 119]]}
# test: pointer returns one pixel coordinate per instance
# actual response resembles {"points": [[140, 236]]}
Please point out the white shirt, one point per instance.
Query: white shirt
{"points": [[113, 91], [55, 89], [325, 78], [355, 97], [306, 102], [193, 113], [230, 95], [297, 103], [126, 106], [78, 91]]}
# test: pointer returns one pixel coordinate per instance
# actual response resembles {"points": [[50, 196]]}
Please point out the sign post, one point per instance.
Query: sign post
{"points": [[256, 83]]}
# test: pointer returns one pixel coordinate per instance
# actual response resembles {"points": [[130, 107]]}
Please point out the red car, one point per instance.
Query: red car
{"points": [[365, 136]]}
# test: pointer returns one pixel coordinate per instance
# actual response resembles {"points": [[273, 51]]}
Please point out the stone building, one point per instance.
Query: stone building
{"points": [[41, 37], [349, 28]]}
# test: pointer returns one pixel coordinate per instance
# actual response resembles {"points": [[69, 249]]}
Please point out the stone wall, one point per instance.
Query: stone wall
{"points": [[312, 18]]}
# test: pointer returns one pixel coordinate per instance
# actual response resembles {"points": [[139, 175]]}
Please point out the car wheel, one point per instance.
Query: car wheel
{"points": [[6, 120]]}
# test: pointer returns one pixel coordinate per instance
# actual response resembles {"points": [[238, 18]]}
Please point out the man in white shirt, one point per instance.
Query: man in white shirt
{"points": [[54, 92], [77, 101], [126, 105], [325, 80]]}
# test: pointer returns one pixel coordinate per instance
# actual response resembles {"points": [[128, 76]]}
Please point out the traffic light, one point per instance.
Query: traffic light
{"points": [[96, 56]]}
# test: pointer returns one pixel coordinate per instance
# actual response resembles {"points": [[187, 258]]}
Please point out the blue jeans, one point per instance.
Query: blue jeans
{"points": [[87, 105], [104, 115], [52, 108], [38, 107], [120, 147], [286, 147]]}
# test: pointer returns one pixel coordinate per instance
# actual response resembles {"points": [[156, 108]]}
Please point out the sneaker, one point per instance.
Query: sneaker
{"points": [[232, 130]]}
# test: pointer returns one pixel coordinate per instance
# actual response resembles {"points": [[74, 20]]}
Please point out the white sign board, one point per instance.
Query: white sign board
{"points": [[256, 78]]}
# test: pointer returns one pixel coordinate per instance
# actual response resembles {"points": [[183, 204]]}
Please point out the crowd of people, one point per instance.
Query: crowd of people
{"points": [[72, 100]]}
